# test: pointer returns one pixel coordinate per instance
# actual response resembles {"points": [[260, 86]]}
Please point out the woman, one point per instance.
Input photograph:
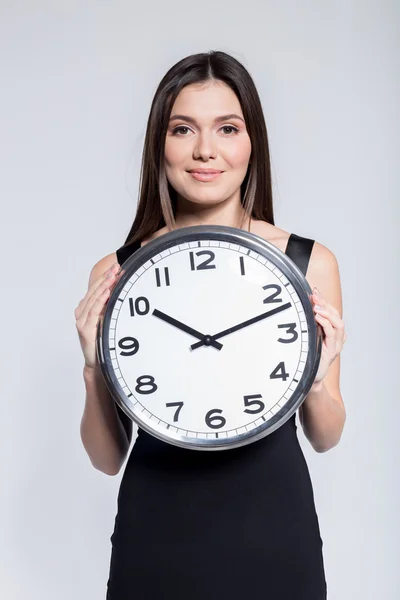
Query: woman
{"points": [[238, 523]]}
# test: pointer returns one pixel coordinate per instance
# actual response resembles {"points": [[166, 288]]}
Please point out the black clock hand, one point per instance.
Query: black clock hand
{"points": [[265, 315], [205, 339]]}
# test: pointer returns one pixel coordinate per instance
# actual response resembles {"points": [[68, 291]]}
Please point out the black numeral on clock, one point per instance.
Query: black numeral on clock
{"points": [[205, 264], [166, 276], [249, 402], [291, 328], [140, 306], [179, 405], [242, 269], [273, 297], [129, 346], [144, 381], [279, 372], [215, 421]]}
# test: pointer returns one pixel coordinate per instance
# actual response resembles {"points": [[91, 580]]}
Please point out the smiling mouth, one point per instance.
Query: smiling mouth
{"points": [[205, 176]]}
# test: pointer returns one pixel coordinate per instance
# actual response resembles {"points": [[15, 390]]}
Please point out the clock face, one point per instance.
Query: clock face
{"points": [[208, 343]]}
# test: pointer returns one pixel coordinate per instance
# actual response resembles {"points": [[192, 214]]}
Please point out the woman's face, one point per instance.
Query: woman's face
{"points": [[200, 139]]}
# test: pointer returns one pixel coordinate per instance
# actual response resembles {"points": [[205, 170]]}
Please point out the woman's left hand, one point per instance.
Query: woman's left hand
{"points": [[333, 332]]}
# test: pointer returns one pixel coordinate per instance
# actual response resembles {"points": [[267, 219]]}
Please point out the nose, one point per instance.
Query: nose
{"points": [[205, 147]]}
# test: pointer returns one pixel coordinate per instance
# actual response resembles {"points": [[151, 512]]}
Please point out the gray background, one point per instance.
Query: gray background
{"points": [[77, 79]]}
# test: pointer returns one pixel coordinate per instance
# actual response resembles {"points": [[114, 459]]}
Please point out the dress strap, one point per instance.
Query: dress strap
{"points": [[299, 250], [125, 252]]}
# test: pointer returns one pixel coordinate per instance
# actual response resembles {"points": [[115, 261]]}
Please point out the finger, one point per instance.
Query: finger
{"points": [[101, 281], [330, 313], [106, 283], [87, 323], [93, 298], [331, 340], [96, 310], [317, 298], [329, 331], [82, 308]]}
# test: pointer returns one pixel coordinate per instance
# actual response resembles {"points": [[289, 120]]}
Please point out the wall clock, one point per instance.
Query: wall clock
{"points": [[208, 340]]}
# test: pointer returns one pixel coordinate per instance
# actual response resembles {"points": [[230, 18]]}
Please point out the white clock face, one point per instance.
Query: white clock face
{"points": [[183, 387]]}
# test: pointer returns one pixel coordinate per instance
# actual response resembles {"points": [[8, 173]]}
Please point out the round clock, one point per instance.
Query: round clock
{"points": [[208, 340]]}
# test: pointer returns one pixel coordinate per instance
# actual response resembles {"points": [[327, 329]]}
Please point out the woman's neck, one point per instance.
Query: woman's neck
{"points": [[230, 218]]}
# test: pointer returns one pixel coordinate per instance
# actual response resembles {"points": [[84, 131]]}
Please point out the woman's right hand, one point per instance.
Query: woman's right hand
{"points": [[89, 309]]}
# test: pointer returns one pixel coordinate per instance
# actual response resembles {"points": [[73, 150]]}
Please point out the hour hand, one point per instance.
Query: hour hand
{"points": [[264, 315], [206, 340]]}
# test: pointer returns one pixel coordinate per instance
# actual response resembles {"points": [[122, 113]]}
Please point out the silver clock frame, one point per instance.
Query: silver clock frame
{"points": [[250, 241]]}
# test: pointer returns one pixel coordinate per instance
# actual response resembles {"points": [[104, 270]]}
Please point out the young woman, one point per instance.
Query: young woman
{"points": [[239, 523]]}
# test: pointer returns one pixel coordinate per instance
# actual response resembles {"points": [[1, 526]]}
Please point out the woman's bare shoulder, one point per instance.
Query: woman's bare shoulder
{"points": [[271, 233], [101, 266], [321, 257]]}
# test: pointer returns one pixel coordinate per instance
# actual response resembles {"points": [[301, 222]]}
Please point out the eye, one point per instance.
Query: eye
{"points": [[182, 130], [234, 129], [178, 129]]}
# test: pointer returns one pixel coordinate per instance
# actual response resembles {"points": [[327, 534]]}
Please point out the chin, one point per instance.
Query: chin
{"points": [[207, 193], [205, 198]]}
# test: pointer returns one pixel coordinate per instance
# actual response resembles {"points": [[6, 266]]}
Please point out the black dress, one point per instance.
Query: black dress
{"points": [[234, 524]]}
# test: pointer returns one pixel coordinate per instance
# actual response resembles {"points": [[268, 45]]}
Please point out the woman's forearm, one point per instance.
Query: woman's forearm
{"points": [[322, 418], [102, 432]]}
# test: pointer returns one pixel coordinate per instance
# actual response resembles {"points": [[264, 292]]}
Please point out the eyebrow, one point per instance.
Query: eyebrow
{"points": [[216, 120]]}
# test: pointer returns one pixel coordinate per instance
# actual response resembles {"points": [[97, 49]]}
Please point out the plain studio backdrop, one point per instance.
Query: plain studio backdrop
{"points": [[77, 80]]}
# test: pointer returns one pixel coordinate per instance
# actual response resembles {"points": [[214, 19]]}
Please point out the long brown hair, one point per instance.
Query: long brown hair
{"points": [[157, 199]]}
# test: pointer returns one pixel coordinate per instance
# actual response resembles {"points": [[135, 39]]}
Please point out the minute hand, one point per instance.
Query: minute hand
{"points": [[265, 315]]}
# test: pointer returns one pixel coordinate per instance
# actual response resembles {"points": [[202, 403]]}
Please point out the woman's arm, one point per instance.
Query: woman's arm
{"points": [[105, 436], [322, 414]]}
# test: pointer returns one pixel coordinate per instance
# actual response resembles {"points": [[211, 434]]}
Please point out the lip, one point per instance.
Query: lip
{"points": [[205, 174], [210, 171]]}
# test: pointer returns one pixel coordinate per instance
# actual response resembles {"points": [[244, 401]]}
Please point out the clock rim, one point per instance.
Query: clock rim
{"points": [[257, 244]]}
